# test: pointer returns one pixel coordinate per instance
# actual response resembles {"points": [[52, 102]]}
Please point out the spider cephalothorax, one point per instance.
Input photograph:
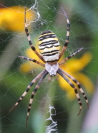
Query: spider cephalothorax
{"points": [[50, 54]]}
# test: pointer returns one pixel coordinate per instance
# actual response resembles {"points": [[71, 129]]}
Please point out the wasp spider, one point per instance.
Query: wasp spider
{"points": [[50, 54]]}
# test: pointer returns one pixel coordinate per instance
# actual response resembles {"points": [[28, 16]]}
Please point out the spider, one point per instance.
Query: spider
{"points": [[50, 54]]}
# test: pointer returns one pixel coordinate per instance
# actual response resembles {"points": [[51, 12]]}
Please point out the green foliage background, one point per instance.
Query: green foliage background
{"points": [[84, 30]]}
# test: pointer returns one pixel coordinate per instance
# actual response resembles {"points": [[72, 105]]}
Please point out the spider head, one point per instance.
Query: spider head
{"points": [[49, 46], [52, 69]]}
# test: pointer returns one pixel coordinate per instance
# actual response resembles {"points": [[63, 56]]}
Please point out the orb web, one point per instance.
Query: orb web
{"points": [[53, 124]]}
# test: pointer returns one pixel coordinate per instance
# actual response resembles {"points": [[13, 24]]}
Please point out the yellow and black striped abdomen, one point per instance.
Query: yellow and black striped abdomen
{"points": [[49, 46]]}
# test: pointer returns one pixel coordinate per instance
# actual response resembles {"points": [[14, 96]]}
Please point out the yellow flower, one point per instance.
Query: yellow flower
{"points": [[28, 65], [73, 67], [12, 18]]}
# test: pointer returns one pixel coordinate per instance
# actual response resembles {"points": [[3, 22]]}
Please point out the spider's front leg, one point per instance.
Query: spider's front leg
{"points": [[33, 93], [78, 85], [28, 88], [72, 85]]}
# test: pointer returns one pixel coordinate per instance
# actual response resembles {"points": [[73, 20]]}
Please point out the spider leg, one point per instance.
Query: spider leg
{"points": [[28, 88], [72, 85], [79, 86], [70, 56], [33, 60], [67, 35], [33, 93], [29, 40]]}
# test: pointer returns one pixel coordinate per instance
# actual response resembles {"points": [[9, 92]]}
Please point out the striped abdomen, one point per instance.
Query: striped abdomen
{"points": [[49, 46]]}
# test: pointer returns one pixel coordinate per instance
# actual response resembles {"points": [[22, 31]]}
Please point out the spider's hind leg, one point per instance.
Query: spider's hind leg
{"points": [[29, 39], [70, 56], [33, 60], [67, 35]]}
